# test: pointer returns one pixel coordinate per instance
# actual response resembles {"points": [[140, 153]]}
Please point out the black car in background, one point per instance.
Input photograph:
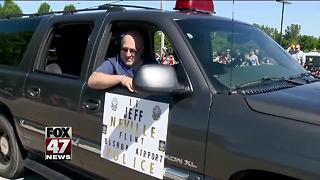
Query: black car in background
{"points": [[313, 62]]}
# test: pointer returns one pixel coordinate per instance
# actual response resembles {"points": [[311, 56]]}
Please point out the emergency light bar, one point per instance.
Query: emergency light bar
{"points": [[195, 5]]}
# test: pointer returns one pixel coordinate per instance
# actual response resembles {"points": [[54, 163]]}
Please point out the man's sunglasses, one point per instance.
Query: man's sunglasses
{"points": [[131, 50]]}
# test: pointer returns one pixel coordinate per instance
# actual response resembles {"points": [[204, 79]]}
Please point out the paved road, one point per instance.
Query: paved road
{"points": [[28, 175]]}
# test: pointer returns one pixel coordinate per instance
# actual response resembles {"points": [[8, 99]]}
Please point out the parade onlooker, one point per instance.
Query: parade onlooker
{"points": [[164, 56], [158, 58], [253, 59], [257, 53], [246, 60], [299, 55], [291, 49]]}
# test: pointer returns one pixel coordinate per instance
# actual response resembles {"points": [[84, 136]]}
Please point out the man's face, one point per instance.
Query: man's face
{"points": [[130, 52]]}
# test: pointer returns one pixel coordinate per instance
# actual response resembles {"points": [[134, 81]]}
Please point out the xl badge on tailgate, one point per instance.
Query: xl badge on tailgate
{"points": [[134, 133]]}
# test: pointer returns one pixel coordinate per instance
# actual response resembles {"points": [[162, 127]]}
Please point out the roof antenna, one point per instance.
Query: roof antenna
{"points": [[113, 2], [232, 47], [232, 10]]}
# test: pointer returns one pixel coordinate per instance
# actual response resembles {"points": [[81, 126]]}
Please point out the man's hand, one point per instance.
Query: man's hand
{"points": [[100, 80], [127, 82]]}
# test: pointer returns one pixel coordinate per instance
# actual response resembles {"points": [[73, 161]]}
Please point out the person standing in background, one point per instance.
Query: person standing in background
{"points": [[291, 49], [299, 55]]}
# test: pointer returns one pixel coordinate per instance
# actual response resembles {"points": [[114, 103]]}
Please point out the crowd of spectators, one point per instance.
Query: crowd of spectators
{"points": [[238, 59], [254, 58], [166, 57]]}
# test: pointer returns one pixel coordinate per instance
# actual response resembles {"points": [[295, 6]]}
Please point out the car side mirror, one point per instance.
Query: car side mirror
{"points": [[158, 78]]}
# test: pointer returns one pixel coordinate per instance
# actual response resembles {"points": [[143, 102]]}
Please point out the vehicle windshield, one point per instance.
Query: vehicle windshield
{"points": [[233, 53]]}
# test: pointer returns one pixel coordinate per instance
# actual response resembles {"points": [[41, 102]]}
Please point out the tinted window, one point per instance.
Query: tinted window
{"points": [[313, 64], [313, 61], [15, 35], [66, 48]]}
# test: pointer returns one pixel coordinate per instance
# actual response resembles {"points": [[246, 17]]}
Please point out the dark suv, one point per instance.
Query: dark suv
{"points": [[229, 114]]}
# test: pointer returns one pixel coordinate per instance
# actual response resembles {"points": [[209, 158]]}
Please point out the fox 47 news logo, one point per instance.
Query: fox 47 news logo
{"points": [[58, 143]]}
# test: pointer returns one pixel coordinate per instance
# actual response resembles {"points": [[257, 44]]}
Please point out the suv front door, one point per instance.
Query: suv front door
{"points": [[188, 115]]}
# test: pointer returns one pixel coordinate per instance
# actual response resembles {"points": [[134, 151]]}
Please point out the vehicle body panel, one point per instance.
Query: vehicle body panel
{"points": [[249, 140], [211, 133]]}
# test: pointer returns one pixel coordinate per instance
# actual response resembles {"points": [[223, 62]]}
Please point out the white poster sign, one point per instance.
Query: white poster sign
{"points": [[134, 133]]}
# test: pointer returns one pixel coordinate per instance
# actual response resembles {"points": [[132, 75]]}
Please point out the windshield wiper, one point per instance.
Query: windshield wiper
{"points": [[305, 74], [261, 80], [300, 75]]}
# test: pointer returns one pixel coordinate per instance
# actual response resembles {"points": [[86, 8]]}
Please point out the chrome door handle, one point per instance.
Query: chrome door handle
{"points": [[33, 92], [91, 104]]}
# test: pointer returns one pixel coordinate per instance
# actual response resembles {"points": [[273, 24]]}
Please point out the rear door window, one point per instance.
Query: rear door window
{"points": [[65, 49], [15, 36]]}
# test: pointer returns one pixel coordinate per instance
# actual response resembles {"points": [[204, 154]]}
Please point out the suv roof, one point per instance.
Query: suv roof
{"points": [[131, 9]]}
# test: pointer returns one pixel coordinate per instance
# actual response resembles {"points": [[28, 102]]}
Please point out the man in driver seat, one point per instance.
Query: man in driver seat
{"points": [[120, 69]]}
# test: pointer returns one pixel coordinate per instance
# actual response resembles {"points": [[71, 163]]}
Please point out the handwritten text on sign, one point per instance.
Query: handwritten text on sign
{"points": [[134, 133]]}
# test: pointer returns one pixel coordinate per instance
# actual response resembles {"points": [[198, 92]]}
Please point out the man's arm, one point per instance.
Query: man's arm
{"points": [[288, 49], [99, 80], [303, 61]]}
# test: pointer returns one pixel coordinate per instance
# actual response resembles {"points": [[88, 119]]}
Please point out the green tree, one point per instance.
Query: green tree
{"points": [[44, 8], [272, 32], [1, 11], [157, 41], [291, 35], [9, 7], [277, 37], [308, 42], [69, 7]]}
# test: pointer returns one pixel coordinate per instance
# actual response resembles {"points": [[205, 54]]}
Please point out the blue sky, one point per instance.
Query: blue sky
{"points": [[305, 13]]}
